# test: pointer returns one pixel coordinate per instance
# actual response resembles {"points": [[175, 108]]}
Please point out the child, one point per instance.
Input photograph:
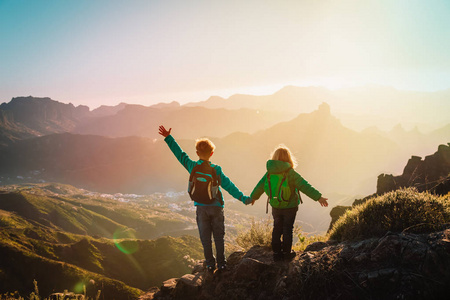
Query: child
{"points": [[210, 218], [283, 162]]}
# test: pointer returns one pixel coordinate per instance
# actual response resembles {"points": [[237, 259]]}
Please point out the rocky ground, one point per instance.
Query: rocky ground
{"points": [[395, 266]]}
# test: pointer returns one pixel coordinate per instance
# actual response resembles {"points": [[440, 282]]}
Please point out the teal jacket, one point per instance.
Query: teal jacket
{"points": [[189, 164], [295, 181]]}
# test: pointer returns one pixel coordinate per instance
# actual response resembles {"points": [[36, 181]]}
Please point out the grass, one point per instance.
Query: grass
{"points": [[62, 296], [397, 211], [260, 234]]}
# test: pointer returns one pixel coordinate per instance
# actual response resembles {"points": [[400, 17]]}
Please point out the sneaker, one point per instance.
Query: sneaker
{"points": [[289, 256], [277, 256], [222, 268], [210, 269]]}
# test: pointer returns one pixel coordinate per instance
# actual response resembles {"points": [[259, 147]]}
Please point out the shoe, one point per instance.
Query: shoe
{"points": [[277, 256], [289, 256], [222, 268], [210, 269]]}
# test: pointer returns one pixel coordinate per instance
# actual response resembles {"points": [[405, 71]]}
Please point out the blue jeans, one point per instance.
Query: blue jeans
{"points": [[283, 225], [210, 220]]}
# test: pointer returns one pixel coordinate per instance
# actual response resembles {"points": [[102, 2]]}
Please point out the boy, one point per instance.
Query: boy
{"points": [[210, 218]]}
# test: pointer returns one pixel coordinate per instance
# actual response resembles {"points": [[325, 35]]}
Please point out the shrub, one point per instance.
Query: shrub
{"points": [[259, 233], [304, 240], [397, 211]]}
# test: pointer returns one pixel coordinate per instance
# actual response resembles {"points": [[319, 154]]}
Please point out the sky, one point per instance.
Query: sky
{"points": [[106, 52]]}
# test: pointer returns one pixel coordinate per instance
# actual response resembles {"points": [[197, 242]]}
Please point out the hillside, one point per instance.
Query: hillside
{"points": [[62, 236]]}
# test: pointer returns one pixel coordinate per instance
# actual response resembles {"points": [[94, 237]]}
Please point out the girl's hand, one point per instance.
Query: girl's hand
{"points": [[323, 201]]}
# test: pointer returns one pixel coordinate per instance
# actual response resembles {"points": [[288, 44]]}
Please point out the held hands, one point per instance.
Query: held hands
{"points": [[247, 200], [164, 132], [323, 201]]}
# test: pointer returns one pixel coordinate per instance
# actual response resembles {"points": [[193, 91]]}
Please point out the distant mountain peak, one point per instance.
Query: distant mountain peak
{"points": [[173, 104], [324, 109]]}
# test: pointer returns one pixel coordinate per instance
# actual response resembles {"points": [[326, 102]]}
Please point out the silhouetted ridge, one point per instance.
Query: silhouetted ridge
{"points": [[430, 174]]}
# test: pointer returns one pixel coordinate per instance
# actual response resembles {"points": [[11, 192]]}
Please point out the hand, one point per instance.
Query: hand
{"points": [[164, 132], [247, 200], [323, 201]]}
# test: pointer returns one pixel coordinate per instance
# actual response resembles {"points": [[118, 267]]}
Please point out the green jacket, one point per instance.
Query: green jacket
{"points": [[295, 180], [189, 164]]}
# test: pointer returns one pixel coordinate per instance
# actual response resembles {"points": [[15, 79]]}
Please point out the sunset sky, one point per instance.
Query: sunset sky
{"points": [[106, 52]]}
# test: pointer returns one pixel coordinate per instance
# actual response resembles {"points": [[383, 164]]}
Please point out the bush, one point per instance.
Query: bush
{"points": [[397, 211], [260, 233], [305, 240]]}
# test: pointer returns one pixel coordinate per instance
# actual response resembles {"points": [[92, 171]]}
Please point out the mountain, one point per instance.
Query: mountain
{"points": [[331, 157], [44, 114], [290, 99], [26, 117], [357, 108], [191, 122], [106, 110]]}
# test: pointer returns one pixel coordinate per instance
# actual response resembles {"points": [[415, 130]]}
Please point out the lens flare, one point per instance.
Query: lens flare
{"points": [[79, 288], [125, 241]]}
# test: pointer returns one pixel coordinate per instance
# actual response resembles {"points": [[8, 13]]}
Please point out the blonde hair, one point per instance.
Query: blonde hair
{"points": [[204, 146], [284, 154]]}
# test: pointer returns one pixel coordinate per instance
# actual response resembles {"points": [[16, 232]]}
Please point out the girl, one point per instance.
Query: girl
{"points": [[282, 165]]}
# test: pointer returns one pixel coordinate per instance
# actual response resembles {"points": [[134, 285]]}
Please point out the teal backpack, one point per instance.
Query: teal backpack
{"points": [[278, 190]]}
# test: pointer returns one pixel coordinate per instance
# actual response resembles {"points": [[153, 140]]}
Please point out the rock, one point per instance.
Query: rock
{"points": [[360, 258], [392, 267], [316, 246], [336, 212], [199, 267], [388, 248], [169, 285], [430, 174], [249, 269], [235, 258], [414, 251], [188, 286]]}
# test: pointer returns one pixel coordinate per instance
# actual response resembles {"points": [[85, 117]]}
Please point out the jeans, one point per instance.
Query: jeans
{"points": [[210, 220], [283, 225]]}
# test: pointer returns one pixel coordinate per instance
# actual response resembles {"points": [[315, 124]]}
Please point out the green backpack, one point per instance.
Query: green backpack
{"points": [[277, 188]]}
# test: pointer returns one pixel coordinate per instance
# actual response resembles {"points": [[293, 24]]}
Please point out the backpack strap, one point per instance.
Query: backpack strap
{"points": [[270, 193], [299, 197]]}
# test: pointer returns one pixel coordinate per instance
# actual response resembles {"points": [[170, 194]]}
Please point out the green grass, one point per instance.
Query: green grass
{"points": [[397, 211], [64, 239]]}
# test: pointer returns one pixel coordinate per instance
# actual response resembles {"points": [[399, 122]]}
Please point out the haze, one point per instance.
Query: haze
{"points": [[145, 52]]}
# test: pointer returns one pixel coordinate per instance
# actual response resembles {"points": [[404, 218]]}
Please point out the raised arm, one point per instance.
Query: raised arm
{"points": [[182, 157]]}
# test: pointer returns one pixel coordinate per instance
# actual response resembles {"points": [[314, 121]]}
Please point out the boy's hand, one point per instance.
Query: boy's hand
{"points": [[164, 132], [323, 201], [247, 200]]}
